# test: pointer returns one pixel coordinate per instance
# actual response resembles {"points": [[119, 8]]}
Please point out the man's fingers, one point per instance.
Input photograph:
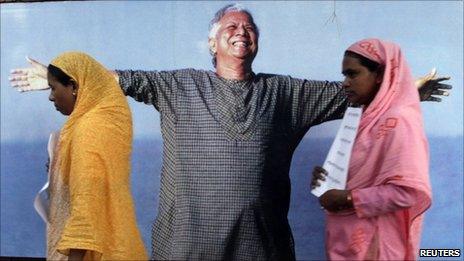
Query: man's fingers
{"points": [[434, 99], [18, 82], [18, 70], [444, 78], [21, 86], [17, 78], [444, 86], [24, 84], [21, 70], [32, 61], [432, 73], [440, 92], [41, 69]]}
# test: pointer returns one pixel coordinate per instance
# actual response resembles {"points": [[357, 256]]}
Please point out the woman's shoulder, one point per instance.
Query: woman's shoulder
{"points": [[403, 113], [408, 119], [99, 126]]}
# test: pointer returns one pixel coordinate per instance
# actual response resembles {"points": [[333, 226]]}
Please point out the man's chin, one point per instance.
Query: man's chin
{"points": [[241, 55], [248, 55]]}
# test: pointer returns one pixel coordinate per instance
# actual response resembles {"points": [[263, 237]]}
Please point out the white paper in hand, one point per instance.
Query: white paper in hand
{"points": [[338, 158], [42, 200]]}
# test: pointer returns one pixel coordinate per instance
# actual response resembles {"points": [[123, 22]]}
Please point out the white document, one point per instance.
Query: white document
{"points": [[42, 200], [338, 158]]}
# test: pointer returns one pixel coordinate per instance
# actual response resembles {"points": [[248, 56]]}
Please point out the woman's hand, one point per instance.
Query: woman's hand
{"points": [[336, 200], [319, 173], [33, 78]]}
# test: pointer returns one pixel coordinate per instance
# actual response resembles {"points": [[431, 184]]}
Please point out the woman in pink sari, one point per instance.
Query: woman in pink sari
{"points": [[379, 214]]}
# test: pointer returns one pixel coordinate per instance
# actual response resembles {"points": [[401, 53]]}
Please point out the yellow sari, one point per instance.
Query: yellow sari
{"points": [[91, 205]]}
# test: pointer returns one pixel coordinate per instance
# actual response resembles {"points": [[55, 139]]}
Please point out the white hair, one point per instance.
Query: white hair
{"points": [[214, 23]]}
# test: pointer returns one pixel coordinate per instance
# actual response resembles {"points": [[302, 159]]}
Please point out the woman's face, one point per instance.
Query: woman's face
{"points": [[61, 95], [361, 85]]}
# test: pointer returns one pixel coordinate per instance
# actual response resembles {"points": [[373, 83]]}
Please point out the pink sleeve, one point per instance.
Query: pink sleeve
{"points": [[378, 200]]}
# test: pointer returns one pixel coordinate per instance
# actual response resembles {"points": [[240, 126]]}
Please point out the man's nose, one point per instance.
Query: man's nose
{"points": [[51, 97], [241, 30]]}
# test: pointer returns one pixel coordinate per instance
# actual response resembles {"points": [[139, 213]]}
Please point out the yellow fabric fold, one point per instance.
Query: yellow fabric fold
{"points": [[92, 206]]}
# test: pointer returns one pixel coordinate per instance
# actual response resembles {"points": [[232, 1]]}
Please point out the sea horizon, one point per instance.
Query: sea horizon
{"points": [[23, 173]]}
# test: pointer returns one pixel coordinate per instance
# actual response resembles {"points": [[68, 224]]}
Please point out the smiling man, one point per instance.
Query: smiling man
{"points": [[229, 137], [233, 41]]}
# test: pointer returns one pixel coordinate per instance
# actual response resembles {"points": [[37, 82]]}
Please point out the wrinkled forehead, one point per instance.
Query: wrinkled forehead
{"points": [[237, 17]]}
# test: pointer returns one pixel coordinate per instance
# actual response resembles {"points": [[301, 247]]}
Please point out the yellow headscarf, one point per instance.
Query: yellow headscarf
{"points": [[94, 161]]}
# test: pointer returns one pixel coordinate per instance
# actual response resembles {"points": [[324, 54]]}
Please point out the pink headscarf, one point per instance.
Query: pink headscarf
{"points": [[391, 146]]}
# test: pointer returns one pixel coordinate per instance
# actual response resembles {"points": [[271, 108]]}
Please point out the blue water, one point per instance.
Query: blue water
{"points": [[23, 174]]}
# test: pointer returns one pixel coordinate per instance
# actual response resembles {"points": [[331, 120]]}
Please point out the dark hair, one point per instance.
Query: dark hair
{"points": [[61, 76], [372, 66]]}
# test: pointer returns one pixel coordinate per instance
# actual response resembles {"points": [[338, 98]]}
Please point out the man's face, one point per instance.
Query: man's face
{"points": [[236, 37]]}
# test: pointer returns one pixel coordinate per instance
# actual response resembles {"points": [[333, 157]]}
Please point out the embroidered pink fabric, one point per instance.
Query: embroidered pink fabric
{"points": [[388, 172]]}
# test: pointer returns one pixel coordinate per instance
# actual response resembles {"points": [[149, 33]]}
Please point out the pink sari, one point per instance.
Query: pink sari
{"points": [[388, 173]]}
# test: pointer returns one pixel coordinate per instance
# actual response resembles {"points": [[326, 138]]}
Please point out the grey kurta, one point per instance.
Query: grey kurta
{"points": [[225, 187]]}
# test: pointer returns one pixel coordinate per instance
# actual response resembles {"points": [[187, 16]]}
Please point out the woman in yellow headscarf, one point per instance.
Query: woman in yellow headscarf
{"points": [[92, 215]]}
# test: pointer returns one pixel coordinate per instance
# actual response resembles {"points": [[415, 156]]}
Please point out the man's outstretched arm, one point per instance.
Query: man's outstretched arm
{"points": [[150, 87], [34, 78]]}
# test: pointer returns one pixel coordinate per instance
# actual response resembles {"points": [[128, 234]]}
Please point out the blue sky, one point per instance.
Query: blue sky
{"points": [[297, 38]]}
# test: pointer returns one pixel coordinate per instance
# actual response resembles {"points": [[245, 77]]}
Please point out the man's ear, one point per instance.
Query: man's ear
{"points": [[212, 45]]}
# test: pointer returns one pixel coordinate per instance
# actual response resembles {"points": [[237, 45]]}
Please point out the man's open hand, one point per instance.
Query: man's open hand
{"points": [[33, 78], [430, 84]]}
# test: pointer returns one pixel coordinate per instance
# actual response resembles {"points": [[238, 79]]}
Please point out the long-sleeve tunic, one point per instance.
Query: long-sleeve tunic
{"points": [[227, 149]]}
